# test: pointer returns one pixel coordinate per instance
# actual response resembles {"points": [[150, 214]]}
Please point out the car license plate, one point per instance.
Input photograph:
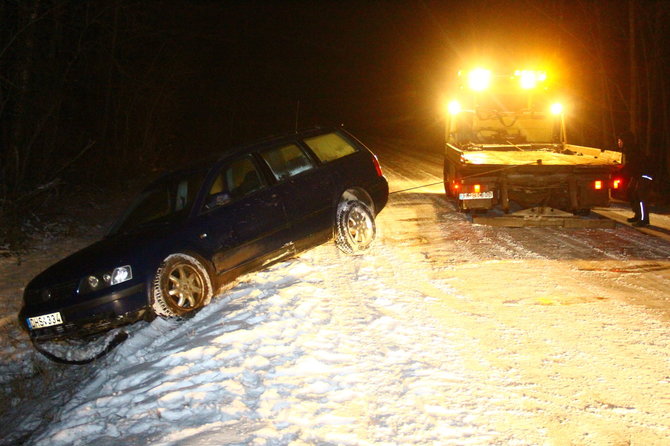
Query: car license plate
{"points": [[475, 196], [46, 320]]}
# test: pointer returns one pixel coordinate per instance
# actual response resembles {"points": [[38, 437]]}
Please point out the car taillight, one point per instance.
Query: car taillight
{"points": [[378, 167], [597, 184], [477, 188]]}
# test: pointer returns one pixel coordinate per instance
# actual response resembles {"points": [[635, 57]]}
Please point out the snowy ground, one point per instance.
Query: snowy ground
{"points": [[445, 333]]}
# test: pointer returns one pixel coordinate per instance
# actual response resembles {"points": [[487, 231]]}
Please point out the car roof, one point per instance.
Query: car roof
{"points": [[275, 139], [208, 162]]}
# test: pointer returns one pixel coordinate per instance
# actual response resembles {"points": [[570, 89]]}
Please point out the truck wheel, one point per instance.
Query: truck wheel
{"points": [[446, 181], [355, 227], [181, 286], [448, 175]]}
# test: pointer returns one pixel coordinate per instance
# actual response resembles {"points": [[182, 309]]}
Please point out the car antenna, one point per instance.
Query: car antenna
{"points": [[297, 115]]}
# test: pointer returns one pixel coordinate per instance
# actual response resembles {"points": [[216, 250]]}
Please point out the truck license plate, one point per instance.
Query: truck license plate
{"points": [[46, 320], [475, 196]]}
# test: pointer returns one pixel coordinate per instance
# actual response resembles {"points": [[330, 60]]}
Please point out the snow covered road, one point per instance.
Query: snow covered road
{"points": [[444, 333]]}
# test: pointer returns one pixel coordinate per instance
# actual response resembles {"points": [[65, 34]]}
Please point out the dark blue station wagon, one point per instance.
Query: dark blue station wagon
{"points": [[195, 230]]}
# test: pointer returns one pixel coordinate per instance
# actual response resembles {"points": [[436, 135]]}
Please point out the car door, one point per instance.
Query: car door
{"points": [[243, 220], [305, 189]]}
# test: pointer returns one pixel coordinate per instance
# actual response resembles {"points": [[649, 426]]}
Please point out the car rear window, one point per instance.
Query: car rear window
{"points": [[330, 147]]}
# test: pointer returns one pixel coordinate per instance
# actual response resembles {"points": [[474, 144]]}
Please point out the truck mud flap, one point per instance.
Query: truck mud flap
{"points": [[544, 217]]}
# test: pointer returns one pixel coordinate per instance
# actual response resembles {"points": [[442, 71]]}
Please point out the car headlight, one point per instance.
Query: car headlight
{"points": [[98, 281]]}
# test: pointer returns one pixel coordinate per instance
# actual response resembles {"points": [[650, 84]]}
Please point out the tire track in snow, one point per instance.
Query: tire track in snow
{"points": [[558, 379], [514, 332]]}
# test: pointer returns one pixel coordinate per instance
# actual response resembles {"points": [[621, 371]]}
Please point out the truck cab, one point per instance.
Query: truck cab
{"points": [[515, 110]]}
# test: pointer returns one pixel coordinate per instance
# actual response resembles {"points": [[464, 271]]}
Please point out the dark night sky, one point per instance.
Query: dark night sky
{"points": [[244, 66], [144, 83]]}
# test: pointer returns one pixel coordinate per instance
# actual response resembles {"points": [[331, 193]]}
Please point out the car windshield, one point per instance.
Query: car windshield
{"points": [[494, 127], [163, 202], [506, 120]]}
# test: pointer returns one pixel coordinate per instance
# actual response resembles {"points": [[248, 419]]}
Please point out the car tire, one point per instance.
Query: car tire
{"points": [[182, 285], [355, 227]]}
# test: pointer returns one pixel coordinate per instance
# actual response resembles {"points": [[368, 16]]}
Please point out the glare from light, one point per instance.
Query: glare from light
{"points": [[556, 108], [121, 274], [528, 79], [93, 281], [454, 107], [479, 79]]}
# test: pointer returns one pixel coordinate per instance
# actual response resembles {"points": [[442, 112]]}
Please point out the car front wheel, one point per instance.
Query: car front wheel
{"points": [[355, 227], [181, 286]]}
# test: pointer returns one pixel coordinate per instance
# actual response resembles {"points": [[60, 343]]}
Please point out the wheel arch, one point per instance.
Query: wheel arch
{"points": [[360, 194]]}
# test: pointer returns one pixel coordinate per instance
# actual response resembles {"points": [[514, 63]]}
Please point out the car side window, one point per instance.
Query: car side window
{"points": [[235, 180], [183, 195], [287, 161], [330, 146]]}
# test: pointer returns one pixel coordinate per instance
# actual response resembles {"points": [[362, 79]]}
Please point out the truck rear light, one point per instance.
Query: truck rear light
{"points": [[597, 185], [456, 186], [616, 183], [477, 188], [378, 167]]}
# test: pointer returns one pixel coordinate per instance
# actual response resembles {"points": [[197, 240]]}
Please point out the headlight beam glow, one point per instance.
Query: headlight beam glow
{"points": [[479, 79]]}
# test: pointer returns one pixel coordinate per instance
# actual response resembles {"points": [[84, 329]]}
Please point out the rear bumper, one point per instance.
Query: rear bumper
{"points": [[92, 316], [379, 192], [569, 191]]}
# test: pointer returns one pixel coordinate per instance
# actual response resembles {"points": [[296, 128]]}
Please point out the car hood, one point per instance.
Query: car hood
{"points": [[139, 250]]}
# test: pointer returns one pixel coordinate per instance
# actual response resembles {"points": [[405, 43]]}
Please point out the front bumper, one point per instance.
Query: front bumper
{"points": [[80, 319]]}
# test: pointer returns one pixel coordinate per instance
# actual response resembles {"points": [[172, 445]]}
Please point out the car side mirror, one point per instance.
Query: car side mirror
{"points": [[217, 200]]}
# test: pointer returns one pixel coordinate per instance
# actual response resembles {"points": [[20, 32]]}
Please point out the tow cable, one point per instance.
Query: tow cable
{"points": [[416, 187], [539, 162], [118, 339]]}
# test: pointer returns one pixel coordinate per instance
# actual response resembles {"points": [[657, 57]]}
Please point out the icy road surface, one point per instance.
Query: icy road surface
{"points": [[445, 333]]}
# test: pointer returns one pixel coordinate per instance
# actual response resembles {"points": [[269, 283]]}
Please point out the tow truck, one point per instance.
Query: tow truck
{"points": [[506, 150]]}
